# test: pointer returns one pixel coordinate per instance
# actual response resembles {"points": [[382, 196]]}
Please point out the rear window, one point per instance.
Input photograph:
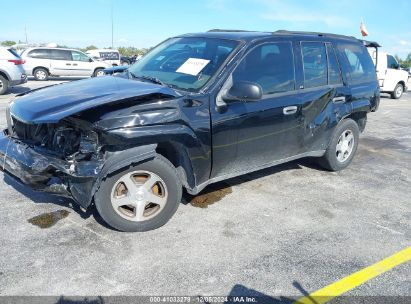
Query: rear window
{"points": [[60, 54], [361, 67], [315, 64], [13, 51], [40, 53]]}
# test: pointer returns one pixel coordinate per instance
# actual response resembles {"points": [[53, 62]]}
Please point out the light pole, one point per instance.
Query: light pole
{"points": [[112, 26]]}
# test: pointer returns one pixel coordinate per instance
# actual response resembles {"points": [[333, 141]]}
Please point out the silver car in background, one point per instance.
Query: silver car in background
{"points": [[42, 62], [11, 69]]}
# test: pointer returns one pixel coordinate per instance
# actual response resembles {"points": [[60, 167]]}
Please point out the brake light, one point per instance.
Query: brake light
{"points": [[17, 61]]}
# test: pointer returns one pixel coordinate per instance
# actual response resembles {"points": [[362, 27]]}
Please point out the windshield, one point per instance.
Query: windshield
{"points": [[184, 63]]}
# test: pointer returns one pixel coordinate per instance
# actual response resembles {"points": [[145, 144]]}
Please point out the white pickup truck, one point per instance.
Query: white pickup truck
{"points": [[392, 79]]}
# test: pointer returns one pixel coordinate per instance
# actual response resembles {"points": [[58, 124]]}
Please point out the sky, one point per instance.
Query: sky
{"points": [[79, 23]]}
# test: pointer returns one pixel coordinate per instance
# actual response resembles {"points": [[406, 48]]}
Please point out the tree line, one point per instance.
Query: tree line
{"points": [[131, 51], [124, 50]]}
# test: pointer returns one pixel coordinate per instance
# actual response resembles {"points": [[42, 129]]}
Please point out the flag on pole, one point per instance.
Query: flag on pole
{"points": [[363, 29]]}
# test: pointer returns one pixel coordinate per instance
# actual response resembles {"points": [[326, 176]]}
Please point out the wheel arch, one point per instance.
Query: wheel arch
{"points": [[178, 156], [5, 74], [360, 118], [40, 67]]}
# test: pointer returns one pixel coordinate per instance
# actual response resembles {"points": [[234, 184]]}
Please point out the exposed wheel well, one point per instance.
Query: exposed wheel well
{"points": [[360, 118], [4, 75]]}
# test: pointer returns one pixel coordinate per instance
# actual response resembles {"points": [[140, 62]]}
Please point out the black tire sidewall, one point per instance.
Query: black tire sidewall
{"points": [[40, 69], [5, 85], [330, 156], [96, 71], [168, 174]]}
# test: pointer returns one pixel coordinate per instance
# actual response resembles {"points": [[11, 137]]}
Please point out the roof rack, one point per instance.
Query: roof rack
{"points": [[285, 32], [223, 30]]}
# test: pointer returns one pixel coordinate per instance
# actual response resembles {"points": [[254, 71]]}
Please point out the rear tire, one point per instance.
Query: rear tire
{"points": [[342, 148], [125, 200], [41, 74], [398, 91], [4, 85]]}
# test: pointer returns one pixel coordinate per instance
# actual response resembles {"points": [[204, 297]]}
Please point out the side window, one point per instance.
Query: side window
{"points": [[40, 54], [60, 55], [315, 64], [334, 74], [270, 65], [77, 56], [361, 66], [391, 62]]}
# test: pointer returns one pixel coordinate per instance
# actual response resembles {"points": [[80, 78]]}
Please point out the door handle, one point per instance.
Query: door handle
{"points": [[68, 63], [290, 110], [339, 99], [75, 64]]}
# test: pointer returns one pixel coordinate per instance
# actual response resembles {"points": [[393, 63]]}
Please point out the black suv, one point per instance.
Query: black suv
{"points": [[197, 109]]}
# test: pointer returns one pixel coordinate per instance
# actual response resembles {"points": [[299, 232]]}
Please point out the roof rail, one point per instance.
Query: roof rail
{"points": [[285, 32], [223, 30]]}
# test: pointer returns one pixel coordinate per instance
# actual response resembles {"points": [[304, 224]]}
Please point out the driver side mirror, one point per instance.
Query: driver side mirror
{"points": [[90, 60], [244, 91]]}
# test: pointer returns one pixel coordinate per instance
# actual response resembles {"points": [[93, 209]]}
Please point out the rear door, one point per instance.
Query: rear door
{"points": [[325, 97], [60, 61]]}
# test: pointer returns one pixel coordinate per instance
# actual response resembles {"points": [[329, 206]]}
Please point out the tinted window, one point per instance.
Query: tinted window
{"points": [[40, 53], [14, 53], [78, 56], [360, 64], [334, 75], [391, 62], [270, 65], [60, 55], [315, 64]]}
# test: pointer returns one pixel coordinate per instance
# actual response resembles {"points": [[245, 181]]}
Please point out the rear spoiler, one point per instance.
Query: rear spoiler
{"points": [[372, 44]]}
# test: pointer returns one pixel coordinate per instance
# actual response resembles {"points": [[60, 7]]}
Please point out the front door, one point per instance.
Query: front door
{"points": [[81, 65], [248, 135]]}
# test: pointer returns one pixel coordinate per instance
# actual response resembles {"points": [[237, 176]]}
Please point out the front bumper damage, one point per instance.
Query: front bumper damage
{"points": [[47, 173]]}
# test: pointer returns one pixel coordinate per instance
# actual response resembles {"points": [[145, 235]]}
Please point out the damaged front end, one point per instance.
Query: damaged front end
{"points": [[63, 158], [59, 139]]}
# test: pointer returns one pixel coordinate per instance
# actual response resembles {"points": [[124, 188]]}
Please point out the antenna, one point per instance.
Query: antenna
{"points": [[25, 33]]}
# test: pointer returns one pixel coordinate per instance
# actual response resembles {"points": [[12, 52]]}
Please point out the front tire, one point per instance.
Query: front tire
{"points": [[140, 198], [4, 85], [343, 145], [99, 73], [398, 91], [41, 74]]}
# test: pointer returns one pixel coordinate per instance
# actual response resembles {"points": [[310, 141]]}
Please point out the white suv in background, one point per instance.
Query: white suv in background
{"points": [[111, 57], [392, 79], [42, 62], [11, 69]]}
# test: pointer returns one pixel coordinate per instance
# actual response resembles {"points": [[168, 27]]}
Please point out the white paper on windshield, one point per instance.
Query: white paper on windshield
{"points": [[193, 66]]}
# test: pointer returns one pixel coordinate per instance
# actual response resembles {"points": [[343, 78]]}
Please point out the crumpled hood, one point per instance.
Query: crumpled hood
{"points": [[51, 104]]}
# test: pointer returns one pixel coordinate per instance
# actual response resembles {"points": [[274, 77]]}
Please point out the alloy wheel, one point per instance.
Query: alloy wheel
{"points": [[345, 146], [138, 196]]}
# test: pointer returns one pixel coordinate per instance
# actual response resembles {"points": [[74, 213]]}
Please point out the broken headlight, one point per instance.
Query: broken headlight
{"points": [[88, 142]]}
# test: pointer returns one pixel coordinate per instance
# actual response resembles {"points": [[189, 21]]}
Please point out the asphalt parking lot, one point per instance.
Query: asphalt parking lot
{"points": [[283, 232]]}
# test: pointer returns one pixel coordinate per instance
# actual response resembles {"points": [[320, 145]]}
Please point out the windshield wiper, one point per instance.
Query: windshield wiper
{"points": [[149, 78]]}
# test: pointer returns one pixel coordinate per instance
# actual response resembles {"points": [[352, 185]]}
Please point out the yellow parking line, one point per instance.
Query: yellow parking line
{"points": [[356, 279]]}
